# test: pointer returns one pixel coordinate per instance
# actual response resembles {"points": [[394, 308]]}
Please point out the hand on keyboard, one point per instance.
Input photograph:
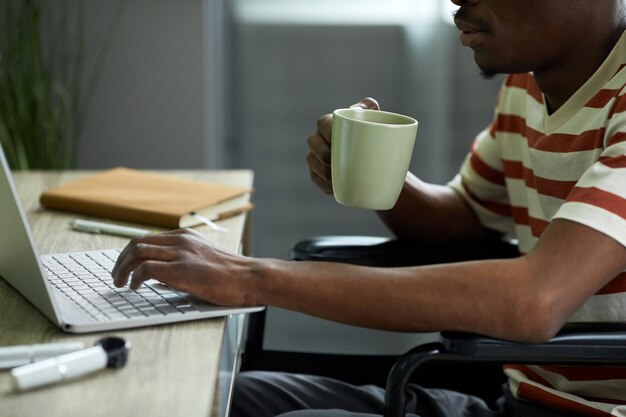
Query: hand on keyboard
{"points": [[185, 261]]}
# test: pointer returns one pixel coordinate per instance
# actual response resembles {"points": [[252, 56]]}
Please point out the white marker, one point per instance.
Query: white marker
{"points": [[12, 356], [109, 352]]}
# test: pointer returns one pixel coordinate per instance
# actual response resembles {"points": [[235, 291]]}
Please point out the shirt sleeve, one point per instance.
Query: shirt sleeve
{"points": [[480, 183], [599, 198]]}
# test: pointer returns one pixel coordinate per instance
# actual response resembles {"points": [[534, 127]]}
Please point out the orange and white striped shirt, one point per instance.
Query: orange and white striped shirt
{"points": [[530, 167]]}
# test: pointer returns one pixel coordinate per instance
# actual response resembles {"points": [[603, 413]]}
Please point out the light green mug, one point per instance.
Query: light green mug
{"points": [[370, 155]]}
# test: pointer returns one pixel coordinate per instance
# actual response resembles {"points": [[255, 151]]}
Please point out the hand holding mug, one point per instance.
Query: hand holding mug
{"points": [[318, 159]]}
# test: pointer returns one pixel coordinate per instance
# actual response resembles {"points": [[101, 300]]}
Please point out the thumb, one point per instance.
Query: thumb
{"points": [[367, 103]]}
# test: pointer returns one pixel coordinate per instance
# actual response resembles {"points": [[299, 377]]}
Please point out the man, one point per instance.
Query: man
{"points": [[550, 169]]}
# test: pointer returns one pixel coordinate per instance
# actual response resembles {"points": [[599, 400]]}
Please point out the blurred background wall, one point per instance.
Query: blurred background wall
{"points": [[240, 84]]}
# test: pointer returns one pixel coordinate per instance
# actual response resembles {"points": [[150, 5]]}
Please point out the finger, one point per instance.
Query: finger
{"points": [[320, 148], [168, 238], [316, 166], [139, 253], [154, 239], [325, 186], [324, 127], [151, 269], [367, 103]]}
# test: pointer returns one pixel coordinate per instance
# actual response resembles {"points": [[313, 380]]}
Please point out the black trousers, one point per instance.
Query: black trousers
{"points": [[270, 394]]}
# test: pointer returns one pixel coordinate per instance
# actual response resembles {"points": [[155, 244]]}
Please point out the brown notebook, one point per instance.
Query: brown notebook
{"points": [[148, 198]]}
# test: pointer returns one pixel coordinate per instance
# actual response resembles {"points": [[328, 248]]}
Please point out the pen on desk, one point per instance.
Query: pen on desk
{"points": [[12, 356], [106, 228]]}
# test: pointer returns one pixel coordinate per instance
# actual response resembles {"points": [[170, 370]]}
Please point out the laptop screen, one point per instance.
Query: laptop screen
{"points": [[19, 264]]}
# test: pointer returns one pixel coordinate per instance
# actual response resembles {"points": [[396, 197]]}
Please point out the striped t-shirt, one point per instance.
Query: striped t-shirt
{"points": [[530, 167]]}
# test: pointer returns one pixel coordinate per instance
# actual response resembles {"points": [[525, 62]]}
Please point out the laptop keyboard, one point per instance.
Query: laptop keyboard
{"points": [[85, 279]]}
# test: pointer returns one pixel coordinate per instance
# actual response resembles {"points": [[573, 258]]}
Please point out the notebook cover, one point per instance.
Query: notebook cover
{"points": [[141, 197]]}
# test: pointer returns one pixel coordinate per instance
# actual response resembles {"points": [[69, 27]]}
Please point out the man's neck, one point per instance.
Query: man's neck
{"points": [[559, 82]]}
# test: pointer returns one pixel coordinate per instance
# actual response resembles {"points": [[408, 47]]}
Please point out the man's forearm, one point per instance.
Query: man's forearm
{"points": [[525, 299], [431, 212], [487, 297]]}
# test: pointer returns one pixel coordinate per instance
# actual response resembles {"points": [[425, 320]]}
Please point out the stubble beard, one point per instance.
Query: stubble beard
{"points": [[486, 73]]}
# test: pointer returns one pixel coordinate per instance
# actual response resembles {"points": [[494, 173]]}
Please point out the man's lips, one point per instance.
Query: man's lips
{"points": [[471, 34], [465, 26]]}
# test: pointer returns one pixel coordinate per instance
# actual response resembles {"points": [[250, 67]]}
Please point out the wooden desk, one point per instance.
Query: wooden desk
{"points": [[172, 369]]}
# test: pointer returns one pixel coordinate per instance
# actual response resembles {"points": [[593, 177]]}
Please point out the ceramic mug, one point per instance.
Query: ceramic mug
{"points": [[370, 155]]}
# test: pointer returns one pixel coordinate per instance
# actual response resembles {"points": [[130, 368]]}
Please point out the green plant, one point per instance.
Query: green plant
{"points": [[42, 103], [40, 117]]}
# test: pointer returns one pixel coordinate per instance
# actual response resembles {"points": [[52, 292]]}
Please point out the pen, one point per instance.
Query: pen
{"points": [[12, 356], [107, 228]]}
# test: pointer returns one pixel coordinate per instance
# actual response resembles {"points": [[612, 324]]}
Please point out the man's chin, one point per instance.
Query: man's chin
{"points": [[487, 73]]}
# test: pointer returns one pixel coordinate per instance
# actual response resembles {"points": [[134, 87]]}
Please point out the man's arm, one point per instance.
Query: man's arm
{"points": [[431, 212], [526, 299]]}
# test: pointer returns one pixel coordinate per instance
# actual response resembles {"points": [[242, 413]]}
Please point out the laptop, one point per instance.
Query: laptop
{"points": [[75, 290]]}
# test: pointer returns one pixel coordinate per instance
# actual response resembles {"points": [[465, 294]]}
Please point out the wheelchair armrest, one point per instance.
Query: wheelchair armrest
{"points": [[576, 344], [380, 251], [603, 347]]}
